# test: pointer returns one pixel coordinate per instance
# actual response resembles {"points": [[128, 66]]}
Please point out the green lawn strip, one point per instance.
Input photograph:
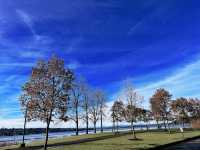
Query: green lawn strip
{"points": [[68, 139], [145, 140], [65, 140]]}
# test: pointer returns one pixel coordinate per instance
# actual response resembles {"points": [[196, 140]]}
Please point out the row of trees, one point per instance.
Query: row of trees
{"points": [[181, 110], [53, 93], [85, 104], [164, 110], [130, 111]]}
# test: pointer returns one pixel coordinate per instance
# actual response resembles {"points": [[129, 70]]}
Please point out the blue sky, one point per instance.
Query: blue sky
{"points": [[154, 43]]}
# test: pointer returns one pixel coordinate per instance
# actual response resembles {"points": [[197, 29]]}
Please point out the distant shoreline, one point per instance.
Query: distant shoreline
{"points": [[19, 131]]}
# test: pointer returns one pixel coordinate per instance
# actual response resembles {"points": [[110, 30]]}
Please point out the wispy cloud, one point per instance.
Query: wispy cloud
{"points": [[7, 112], [92, 39], [17, 64], [27, 20], [39, 39], [31, 54], [73, 65], [156, 14], [183, 82], [73, 45]]}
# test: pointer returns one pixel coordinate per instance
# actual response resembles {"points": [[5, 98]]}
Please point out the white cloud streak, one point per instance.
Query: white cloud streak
{"points": [[39, 40], [27, 20], [31, 54], [17, 64], [183, 82]]}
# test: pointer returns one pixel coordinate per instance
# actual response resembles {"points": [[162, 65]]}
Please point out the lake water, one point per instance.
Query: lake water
{"points": [[34, 137]]}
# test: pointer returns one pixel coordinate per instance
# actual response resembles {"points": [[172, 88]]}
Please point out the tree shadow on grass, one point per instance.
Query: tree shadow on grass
{"points": [[138, 148], [154, 144], [135, 139], [143, 148], [85, 140]]}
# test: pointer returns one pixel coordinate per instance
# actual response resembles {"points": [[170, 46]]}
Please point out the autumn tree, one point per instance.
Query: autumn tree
{"points": [[194, 108], [148, 116], [160, 105], [130, 116], [145, 116], [133, 100], [139, 115], [180, 108], [118, 113], [48, 89], [155, 111]]}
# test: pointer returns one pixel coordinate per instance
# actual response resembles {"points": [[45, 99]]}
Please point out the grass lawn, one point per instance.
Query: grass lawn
{"points": [[125, 142]]}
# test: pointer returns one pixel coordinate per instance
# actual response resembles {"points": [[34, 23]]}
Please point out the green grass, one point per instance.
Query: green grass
{"points": [[146, 140], [68, 139]]}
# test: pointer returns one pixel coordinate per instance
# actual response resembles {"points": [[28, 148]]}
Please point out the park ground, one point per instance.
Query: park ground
{"points": [[120, 142]]}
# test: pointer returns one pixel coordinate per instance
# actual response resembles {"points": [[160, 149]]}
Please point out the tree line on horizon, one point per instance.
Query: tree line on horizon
{"points": [[53, 92], [163, 109]]}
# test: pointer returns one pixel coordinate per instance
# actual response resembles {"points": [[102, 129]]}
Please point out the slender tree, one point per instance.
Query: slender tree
{"points": [[194, 108], [94, 110], [100, 96], [133, 101], [160, 104], [145, 116], [131, 116], [139, 112], [25, 104], [155, 111], [113, 121], [86, 98], [75, 103], [118, 113], [48, 90], [180, 108]]}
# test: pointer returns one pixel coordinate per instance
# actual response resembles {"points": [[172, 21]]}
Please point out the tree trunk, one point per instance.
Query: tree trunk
{"points": [[47, 134], [114, 126], [165, 125], [49, 118], [117, 126], [168, 127], [87, 123], [95, 129], [157, 123], [133, 130], [183, 124], [147, 127], [25, 119], [101, 121], [113, 129], [76, 119]]}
